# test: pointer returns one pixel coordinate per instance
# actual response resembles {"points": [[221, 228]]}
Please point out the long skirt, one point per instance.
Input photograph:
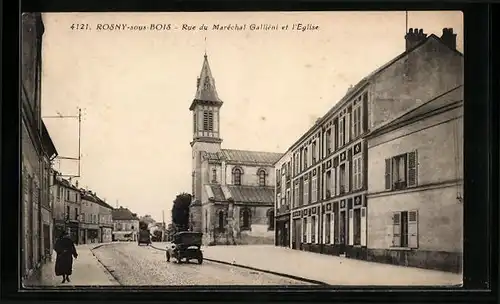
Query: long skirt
{"points": [[64, 264]]}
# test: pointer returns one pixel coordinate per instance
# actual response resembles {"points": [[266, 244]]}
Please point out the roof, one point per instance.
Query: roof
{"points": [[65, 183], [123, 214], [354, 90], [48, 144], [443, 102], [241, 194], [251, 157], [205, 87]]}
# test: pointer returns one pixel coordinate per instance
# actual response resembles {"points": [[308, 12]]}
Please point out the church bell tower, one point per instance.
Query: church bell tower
{"points": [[206, 132]]}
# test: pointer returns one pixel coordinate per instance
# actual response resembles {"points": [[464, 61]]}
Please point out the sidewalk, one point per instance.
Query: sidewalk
{"points": [[87, 271], [332, 270]]}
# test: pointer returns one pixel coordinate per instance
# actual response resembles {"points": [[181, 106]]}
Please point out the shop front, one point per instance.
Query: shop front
{"points": [[283, 230], [73, 230]]}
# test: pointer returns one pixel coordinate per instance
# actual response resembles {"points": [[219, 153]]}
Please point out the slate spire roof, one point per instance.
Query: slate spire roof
{"points": [[205, 86], [206, 90]]}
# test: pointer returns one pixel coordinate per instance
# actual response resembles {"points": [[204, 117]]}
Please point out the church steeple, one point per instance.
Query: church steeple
{"points": [[206, 92]]}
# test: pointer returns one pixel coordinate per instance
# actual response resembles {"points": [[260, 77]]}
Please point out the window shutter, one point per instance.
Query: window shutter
{"points": [[412, 168], [363, 226], [354, 173], [336, 180], [413, 229], [351, 227], [316, 224], [396, 225], [347, 176], [332, 137], [332, 228], [347, 128], [388, 177], [324, 229]]}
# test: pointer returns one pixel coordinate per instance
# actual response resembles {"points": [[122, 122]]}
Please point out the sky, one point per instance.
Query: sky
{"points": [[135, 87]]}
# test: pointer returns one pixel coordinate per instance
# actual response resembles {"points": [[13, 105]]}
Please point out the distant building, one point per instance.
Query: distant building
{"points": [[125, 225], [105, 220], [328, 165], [415, 186], [233, 190], [66, 208], [89, 223]]}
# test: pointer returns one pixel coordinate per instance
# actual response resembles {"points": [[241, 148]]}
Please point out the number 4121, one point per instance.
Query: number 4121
{"points": [[82, 26]]}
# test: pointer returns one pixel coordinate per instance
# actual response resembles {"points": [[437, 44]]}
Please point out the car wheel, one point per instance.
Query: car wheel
{"points": [[200, 260], [168, 256]]}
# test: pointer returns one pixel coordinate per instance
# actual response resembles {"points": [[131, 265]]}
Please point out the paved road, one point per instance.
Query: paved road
{"points": [[131, 264]]}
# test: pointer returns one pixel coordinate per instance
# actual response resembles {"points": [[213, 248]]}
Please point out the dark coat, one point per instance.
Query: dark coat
{"points": [[65, 249]]}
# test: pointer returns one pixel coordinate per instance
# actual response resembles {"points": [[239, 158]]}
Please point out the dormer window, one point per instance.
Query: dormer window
{"points": [[214, 175]]}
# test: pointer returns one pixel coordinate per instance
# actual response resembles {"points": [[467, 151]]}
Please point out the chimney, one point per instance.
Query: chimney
{"points": [[414, 37], [449, 38]]}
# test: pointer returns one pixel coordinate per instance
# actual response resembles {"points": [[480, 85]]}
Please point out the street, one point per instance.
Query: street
{"points": [[131, 264]]}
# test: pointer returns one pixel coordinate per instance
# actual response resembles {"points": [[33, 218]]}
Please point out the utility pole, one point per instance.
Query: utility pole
{"points": [[79, 117], [163, 225]]}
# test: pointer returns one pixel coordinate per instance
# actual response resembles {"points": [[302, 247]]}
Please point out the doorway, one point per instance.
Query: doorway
{"points": [[342, 232], [297, 234]]}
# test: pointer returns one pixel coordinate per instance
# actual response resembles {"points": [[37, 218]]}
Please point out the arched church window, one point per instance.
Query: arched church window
{"points": [[221, 220], [270, 219], [237, 176], [245, 219], [262, 177]]}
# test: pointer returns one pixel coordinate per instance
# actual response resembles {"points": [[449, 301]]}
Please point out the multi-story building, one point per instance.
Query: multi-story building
{"points": [[415, 186], [67, 206], [125, 224], [105, 221], [329, 162], [89, 220], [283, 200], [37, 151], [232, 190]]}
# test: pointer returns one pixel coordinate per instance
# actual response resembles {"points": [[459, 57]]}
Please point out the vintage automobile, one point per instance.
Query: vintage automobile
{"points": [[185, 245], [144, 237]]}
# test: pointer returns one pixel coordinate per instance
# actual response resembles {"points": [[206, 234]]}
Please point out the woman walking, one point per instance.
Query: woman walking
{"points": [[65, 249]]}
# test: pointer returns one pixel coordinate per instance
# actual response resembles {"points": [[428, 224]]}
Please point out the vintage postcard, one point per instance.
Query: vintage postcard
{"points": [[242, 148]]}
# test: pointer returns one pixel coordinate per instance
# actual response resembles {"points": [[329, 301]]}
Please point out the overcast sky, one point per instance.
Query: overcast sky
{"points": [[135, 88]]}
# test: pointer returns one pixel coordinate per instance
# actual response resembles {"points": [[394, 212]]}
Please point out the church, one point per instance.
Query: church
{"points": [[233, 190]]}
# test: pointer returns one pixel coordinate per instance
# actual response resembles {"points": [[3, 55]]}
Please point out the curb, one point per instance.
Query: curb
{"points": [[106, 269], [262, 270]]}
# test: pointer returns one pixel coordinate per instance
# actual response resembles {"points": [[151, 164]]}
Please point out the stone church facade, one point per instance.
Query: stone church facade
{"points": [[233, 190]]}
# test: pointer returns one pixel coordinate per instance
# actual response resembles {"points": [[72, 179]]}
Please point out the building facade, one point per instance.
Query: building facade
{"points": [[37, 152], [89, 220], [233, 190], [415, 186], [328, 165], [67, 205], [105, 220], [283, 200], [125, 225]]}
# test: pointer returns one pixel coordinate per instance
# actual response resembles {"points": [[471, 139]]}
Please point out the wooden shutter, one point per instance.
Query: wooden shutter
{"points": [[334, 182], [332, 228], [347, 177], [388, 176], [363, 226], [347, 128], [324, 229], [396, 229], [316, 228], [332, 137], [413, 229], [412, 168], [351, 227]]}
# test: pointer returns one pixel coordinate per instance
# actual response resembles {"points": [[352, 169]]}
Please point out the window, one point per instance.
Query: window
{"points": [[304, 230], [208, 121], [401, 171], [237, 176], [67, 212], [262, 177], [327, 186], [328, 142], [356, 121], [296, 163], [287, 197], [288, 170], [341, 131], [67, 195], [358, 172], [76, 213], [314, 152], [342, 179], [326, 228], [221, 220], [306, 192], [278, 200], [313, 230], [314, 189], [405, 229], [194, 122], [305, 157], [245, 219], [270, 219], [296, 194], [357, 226], [214, 175]]}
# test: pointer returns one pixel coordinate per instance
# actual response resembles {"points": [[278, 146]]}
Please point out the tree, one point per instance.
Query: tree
{"points": [[180, 211]]}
